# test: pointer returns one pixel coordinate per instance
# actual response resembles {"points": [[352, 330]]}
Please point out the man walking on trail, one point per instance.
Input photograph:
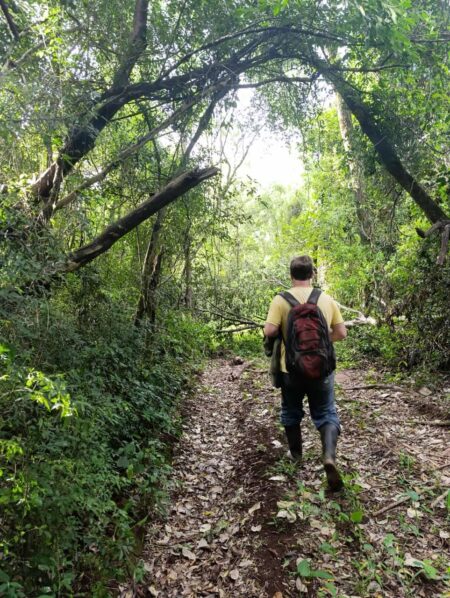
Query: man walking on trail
{"points": [[300, 378]]}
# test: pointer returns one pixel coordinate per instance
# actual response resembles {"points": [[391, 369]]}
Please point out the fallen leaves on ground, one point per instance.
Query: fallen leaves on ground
{"points": [[246, 522]]}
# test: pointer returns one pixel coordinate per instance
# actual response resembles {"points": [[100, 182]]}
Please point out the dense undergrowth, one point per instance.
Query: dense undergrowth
{"points": [[89, 407], [89, 412]]}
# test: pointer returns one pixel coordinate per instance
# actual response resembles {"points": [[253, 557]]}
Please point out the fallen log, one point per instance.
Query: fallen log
{"points": [[234, 330], [361, 321], [445, 423]]}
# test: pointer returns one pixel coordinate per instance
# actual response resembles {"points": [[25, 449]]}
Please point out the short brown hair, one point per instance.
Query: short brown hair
{"points": [[302, 268]]}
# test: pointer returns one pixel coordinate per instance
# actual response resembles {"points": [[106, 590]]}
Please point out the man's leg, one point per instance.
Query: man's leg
{"points": [[325, 418], [292, 415]]}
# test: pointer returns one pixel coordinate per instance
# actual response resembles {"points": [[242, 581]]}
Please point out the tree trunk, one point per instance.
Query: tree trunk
{"points": [[187, 272], [151, 272], [115, 231], [383, 146], [84, 135], [11, 24], [356, 175]]}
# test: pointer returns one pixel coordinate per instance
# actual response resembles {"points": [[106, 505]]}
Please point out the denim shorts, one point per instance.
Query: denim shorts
{"points": [[320, 395]]}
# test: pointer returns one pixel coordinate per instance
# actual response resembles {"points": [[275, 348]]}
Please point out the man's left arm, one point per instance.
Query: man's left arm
{"points": [[338, 328]]}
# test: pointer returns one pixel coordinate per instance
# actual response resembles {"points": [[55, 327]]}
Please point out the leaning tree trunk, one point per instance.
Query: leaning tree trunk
{"points": [[101, 244], [174, 189], [355, 170], [383, 146], [83, 135], [151, 273]]}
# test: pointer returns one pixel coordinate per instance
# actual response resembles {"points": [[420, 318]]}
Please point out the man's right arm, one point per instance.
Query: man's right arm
{"points": [[271, 330]]}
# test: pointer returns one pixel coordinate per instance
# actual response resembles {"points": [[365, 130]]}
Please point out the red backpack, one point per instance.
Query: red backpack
{"points": [[309, 350]]}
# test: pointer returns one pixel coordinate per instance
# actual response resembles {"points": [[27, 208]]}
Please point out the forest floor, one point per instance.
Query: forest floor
{"points": [[244, 521]]}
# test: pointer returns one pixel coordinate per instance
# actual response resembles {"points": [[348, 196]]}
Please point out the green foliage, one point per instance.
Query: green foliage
{"points": [[246, 344], [84, 455], [304, 570], [88, 401]]}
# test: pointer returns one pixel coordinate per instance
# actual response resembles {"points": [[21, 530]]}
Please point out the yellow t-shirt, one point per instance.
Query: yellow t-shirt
{"points": [[280, 308]]}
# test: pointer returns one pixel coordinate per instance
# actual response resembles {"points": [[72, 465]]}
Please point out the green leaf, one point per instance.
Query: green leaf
{"points": [[413, 495], [304, 568], [331, 588], [357, 516], [327, 548], [321, 574], [429, 571], [123, 462]]}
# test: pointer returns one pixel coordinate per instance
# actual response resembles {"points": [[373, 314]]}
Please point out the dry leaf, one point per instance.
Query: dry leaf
{"points": [[285, 504], [188, 554], [283, 514], [254, 508], [410, 561], [153, 591], [300, 585], [203, 544], [256, 528], [323, 529], [413, 513], [206, 527]]}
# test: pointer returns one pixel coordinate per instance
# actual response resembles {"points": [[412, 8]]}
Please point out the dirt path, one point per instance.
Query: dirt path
{"points": [[245, 522]]}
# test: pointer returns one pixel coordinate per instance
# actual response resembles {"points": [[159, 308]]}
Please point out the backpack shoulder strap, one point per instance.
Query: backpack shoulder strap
{"points": [[289, 298], [314, 297]]}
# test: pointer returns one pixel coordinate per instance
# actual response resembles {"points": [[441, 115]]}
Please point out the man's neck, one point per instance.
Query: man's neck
{"points": [[302, 283]]}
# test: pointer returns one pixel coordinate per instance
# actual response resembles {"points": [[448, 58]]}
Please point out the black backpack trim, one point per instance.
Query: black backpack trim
{"points": [[313, 297]]}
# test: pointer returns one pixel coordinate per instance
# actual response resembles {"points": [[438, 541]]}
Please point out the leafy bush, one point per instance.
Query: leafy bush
{"points": [[245, 344]]}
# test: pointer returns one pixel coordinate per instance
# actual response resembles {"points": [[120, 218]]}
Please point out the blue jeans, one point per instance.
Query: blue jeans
{"points": [[320, 395]]}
